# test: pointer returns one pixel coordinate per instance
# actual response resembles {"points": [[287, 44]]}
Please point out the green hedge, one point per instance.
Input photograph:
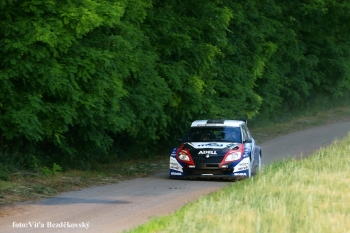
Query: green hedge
{"points": [[84, 81]]}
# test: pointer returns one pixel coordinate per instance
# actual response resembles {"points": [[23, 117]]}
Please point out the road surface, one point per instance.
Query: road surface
{"points": [[122, 206]]}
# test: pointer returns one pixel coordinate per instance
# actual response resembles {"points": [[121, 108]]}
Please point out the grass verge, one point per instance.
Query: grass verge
{"points": [[25, 185], [308, 195]]}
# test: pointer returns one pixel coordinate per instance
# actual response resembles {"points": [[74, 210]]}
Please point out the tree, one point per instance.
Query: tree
{"points": [[67, 74]]}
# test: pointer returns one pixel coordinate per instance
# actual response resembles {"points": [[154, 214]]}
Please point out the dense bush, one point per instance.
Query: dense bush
{"points": [[82, 81]]}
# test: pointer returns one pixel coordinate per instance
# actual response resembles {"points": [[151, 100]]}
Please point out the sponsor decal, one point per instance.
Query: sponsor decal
{"points": [[243, 165], [176, 173], [214, 144], [173, 152], [175, 165], [233, 146], [202, 152], [240, 174], [242, 168], [211, 145]]}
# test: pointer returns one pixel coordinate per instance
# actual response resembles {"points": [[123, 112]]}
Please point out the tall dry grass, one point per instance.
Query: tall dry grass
{"points": [[309, 195]]}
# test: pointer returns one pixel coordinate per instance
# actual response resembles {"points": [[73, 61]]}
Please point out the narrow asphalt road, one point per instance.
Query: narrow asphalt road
{"points": [[121, 206]]}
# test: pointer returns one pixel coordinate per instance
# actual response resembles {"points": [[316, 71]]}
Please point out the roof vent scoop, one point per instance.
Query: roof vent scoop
{"points": [[215, 121]]}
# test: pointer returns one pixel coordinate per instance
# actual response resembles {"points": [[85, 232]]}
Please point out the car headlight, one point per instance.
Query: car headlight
{"points": [[183, 156], [233, 156]]}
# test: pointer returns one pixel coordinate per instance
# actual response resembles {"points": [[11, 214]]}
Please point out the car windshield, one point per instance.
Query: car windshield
{"points": [[214, 134]]}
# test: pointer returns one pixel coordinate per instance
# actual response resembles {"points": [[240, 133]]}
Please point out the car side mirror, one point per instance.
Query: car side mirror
{"points": [[248, 141]]}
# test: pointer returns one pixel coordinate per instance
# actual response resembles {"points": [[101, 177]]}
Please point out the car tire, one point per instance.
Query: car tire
{"points": [[258, 165], [250, 169]]}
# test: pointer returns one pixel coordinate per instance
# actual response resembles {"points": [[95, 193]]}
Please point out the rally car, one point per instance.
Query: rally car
{"points": [[216, 149]]}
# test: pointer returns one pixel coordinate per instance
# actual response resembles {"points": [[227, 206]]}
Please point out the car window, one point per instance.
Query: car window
{"points": [[246, 133], [233, 134], [205, 134]]}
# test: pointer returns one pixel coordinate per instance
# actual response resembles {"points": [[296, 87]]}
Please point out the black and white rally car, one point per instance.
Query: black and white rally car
{"points": [[216, 149]]}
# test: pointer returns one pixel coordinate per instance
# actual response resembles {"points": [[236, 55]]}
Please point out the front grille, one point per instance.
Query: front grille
{"points": [[215, 165], [212, 159]]}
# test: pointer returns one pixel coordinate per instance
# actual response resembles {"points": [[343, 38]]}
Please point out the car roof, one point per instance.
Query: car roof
{"points": [[232, 123]]}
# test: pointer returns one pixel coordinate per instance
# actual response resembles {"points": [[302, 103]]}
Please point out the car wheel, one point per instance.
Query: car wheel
{"points": [[257, 167], [250, 169], [260, 163]]}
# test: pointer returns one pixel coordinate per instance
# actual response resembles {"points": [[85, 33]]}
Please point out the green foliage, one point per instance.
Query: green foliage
{"points": [[65, 76], [54, 171], [4, 174], [82, 79], [310, 56]]}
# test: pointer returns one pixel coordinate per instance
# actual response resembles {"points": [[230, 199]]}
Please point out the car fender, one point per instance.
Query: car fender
{"points": [[176, 167]]}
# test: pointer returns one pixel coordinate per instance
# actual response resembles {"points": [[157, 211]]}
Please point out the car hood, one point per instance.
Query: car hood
{"points": [[212, 148]]}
